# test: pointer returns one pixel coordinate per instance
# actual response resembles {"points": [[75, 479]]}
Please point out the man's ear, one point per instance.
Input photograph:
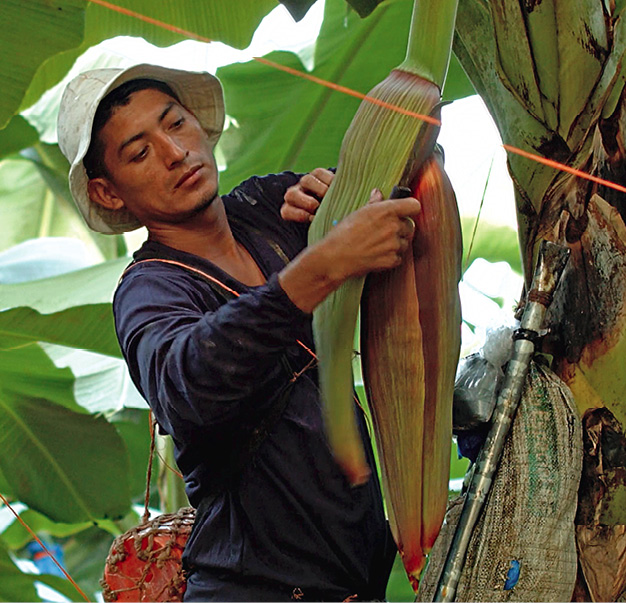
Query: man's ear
{"points": [[102, 192]]}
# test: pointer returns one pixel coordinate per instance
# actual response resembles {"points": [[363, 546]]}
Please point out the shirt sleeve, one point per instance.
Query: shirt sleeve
{"points": [[198, 362]]}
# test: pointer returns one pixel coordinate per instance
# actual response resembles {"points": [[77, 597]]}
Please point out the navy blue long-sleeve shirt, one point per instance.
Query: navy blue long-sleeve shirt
{"points": [[287, 524]]}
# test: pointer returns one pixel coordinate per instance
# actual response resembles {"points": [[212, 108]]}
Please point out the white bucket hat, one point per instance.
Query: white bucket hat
{"points": [[200, 92]]}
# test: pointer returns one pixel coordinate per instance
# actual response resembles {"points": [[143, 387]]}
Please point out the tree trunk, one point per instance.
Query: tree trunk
{"points": [[557, 92]]}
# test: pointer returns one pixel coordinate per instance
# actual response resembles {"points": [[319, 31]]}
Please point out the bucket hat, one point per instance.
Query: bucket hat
{"points": [[200, 92]]}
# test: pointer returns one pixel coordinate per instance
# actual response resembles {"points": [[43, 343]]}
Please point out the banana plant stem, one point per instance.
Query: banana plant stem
{"points": [[430, 39]]}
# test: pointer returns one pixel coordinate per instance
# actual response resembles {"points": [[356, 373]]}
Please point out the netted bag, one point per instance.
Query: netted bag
{"points": [[144, 563], [523, 547]]}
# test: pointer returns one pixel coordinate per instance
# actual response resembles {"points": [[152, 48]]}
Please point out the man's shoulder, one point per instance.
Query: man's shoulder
{"points": [[159, 271], [256, 190]]}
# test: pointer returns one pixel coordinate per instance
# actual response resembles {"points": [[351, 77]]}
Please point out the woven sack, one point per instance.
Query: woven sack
{"points": [[144, 563], [523, 547]]}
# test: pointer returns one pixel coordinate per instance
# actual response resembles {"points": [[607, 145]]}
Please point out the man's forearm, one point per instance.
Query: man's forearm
{"points": [[309, 279]]}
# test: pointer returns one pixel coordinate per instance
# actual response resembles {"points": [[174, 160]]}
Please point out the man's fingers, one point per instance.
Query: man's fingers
{"points": [[295, 214], [323, 175], [311, 184], [407, 207]]}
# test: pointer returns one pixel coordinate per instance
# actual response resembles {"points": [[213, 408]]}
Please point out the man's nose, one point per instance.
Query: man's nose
{"points": [[173, 151]]}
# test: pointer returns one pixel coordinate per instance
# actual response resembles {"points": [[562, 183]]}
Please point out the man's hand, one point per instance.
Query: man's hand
{"points": [[303, 199], [373, 238]]}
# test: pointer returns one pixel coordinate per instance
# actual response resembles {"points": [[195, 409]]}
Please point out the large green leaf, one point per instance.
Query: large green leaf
{"points": [[102, 384], [88, 327], [132, 424], [15, 585], [493, 242], [73, 309], [50, 26], [16, 536], [26, 206], [223, 20], [33, 204], [18, 135], [28, 371], [281, 121], [70, 466]]}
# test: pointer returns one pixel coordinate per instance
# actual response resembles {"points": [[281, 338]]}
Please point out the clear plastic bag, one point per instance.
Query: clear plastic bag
{"points": [[479, 378], [475, 392]]}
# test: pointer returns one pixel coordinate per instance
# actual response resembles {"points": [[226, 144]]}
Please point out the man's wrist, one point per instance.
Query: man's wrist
{"points": [[310, 278]]}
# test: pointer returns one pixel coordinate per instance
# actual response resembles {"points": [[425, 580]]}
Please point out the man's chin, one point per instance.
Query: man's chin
{"points": [[206, 203], [200, 208]]}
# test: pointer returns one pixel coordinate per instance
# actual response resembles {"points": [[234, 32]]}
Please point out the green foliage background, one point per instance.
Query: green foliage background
{"points": [[75, 437]]}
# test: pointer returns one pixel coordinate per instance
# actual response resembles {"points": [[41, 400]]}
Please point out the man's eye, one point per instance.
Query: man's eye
{"points": [[139, 156], [178, 123]]}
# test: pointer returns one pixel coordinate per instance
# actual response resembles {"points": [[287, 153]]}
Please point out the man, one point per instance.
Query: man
{"points": [[214, 320]]}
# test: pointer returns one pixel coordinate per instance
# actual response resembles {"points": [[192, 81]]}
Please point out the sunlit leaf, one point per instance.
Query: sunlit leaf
{"points": [[28, 371], [102, 384], [223, 20], [94, 328], [73, 309], [29, 208], [281, 121]]}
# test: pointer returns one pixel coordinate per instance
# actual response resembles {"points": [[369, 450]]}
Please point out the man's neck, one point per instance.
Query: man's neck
{"points": [[208, 235]]}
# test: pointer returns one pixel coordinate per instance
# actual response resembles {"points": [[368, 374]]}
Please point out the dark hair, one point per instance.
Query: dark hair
{"points": [[118, 97]]}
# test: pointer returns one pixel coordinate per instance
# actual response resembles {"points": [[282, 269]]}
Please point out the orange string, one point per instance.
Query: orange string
{"points": [[274, 65], [564, 168], [43, 546]]}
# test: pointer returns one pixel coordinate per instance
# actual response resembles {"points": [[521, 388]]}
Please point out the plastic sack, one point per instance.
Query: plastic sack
{"points": [[523, 546]]}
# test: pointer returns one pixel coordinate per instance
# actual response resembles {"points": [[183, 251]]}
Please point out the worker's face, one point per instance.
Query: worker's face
{"points": [[160, 162]]}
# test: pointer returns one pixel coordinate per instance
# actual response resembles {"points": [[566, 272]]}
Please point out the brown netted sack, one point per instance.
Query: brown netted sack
{"points": [[144, 563], [523, 547]]}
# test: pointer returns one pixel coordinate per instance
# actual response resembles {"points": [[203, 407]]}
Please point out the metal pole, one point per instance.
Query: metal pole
{"points": [[550, 264]]}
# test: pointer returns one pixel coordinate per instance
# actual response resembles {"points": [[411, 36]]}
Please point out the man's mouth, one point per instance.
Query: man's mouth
{"points": [[188, 175]]}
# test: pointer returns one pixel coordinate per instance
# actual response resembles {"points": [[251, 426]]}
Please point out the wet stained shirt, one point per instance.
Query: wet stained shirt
{"points": [[280, 522]]}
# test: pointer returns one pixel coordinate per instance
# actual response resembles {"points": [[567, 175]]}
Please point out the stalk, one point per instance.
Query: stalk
{"points": [[430, 39]]}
